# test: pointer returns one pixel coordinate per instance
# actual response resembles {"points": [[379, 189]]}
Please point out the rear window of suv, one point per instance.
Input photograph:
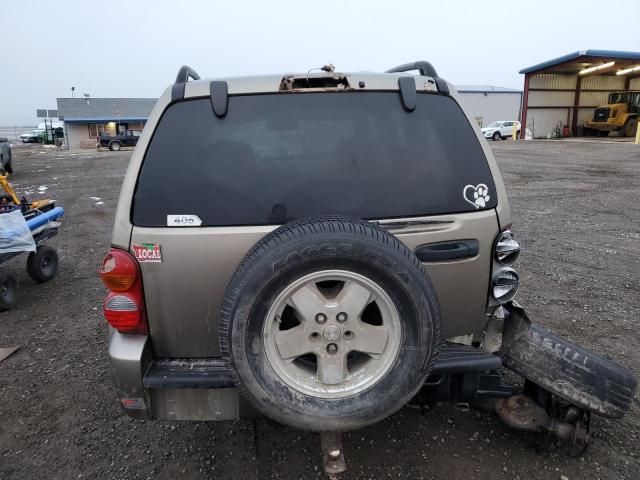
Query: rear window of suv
{"points": [[274, 158]]}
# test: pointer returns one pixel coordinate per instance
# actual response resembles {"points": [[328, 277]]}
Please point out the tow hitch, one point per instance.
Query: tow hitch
{"points": [[332, 453]]}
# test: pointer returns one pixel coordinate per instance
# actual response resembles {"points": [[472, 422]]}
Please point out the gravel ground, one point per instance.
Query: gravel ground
{"points": [[576, 213]]}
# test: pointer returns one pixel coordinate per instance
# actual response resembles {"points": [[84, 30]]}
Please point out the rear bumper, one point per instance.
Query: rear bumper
{"points": [[193, 389], [213, 373], [203, 388], [188, 373]]}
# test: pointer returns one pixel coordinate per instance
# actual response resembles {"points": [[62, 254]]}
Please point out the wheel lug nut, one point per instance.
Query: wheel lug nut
{"points": [[341, 317], [332, 348], [321, 318]]}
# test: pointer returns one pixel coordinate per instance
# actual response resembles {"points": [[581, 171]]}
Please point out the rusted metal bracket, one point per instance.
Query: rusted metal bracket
{"points": [[581, 435], [332, 454], [516, 325], [523, 413]]}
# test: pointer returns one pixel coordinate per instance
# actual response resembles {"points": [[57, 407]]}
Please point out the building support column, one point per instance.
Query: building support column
{"points": [[576, 107], [525, 103]]}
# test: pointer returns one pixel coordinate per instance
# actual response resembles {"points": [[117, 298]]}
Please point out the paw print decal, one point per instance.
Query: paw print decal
{"points": [[477, 196]]}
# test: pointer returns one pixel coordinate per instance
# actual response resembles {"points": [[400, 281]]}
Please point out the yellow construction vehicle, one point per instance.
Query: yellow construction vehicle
{"points": [[9, 197], [619, 114]]}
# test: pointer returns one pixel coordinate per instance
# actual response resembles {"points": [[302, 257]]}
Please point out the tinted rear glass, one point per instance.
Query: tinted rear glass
{"points": [[278, 157]]}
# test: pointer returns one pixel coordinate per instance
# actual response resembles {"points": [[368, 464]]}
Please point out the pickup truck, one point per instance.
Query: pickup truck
{"points": [[127, 139], [5, 156]]}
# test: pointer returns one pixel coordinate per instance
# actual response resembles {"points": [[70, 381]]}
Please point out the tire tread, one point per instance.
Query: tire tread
{"points": [[572, 373]]}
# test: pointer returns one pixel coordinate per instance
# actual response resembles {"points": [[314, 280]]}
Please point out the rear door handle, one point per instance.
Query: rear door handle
{"points": [[448, 250]]}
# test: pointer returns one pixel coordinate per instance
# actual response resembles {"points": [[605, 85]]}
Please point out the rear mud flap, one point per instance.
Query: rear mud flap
{"points": [[569, 371]]}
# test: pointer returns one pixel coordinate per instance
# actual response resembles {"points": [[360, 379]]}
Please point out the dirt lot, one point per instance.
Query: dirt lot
{"points": [[576, 213]]}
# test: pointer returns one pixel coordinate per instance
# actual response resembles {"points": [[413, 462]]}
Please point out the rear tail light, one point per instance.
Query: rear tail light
{"points": [[505, 280], [124, 306], [119, 271], [505, 285], [507, 248]]}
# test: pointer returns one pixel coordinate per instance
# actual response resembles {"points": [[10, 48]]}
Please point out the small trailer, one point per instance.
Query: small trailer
{"points": [[25, 228]]}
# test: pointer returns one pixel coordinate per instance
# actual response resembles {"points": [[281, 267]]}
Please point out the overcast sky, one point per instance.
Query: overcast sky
{"points": [[134, 49]]}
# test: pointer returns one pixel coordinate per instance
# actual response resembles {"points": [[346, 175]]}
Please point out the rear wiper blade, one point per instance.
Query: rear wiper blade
{"points": [[409, 223]]}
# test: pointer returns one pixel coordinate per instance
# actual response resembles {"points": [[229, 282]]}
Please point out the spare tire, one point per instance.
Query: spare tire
{"points": [[329, 324]]}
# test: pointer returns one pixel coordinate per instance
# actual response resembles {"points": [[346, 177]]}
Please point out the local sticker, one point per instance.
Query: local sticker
{"points": [[147, 252]]}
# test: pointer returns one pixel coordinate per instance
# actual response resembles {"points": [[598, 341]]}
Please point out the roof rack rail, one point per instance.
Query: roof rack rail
{"points": [[425, 69], [184, 74]]}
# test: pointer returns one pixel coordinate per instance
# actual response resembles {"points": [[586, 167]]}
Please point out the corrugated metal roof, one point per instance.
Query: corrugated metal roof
{"points": [[105, 109], [485, 89], [612, 54]]}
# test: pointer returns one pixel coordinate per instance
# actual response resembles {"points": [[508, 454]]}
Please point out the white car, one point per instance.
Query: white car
{"points": [[500, 130], [35, 136]]}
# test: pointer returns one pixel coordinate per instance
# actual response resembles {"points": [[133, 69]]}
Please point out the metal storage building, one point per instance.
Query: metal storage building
{"points": [[567, 89], [488, 103]]}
